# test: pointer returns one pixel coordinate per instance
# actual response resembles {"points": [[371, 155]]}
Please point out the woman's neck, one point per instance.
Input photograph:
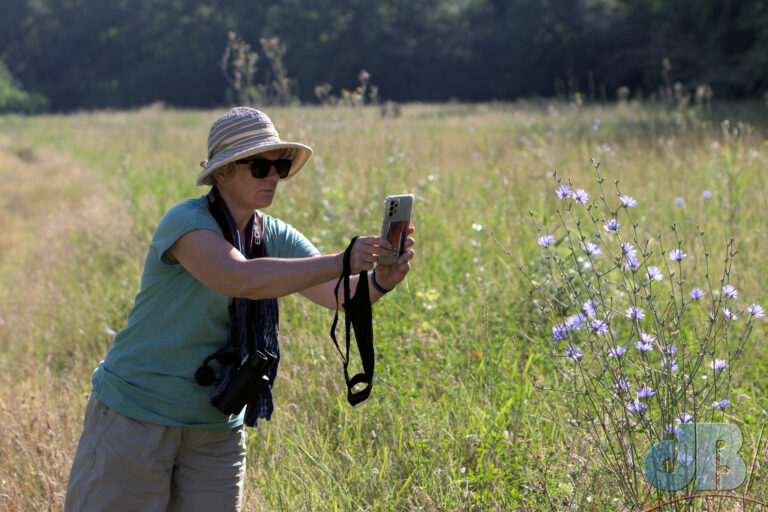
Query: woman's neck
{"points": [[241, 214]]}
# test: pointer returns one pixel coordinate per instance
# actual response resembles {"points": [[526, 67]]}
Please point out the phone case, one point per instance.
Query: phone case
{"points": [[394, 227]]}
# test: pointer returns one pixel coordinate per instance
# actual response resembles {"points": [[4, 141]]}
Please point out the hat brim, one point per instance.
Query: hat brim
{"points": [[298, 154]]}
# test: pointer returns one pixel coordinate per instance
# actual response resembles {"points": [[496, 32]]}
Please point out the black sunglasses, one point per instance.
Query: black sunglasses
{"points": [[260, 167]]}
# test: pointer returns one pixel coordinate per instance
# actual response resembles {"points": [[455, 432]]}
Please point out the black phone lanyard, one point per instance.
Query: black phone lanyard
{"points": [[358, 313]]}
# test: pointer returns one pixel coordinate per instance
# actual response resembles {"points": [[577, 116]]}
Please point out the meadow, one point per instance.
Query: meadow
{"points": [[462, 416]]}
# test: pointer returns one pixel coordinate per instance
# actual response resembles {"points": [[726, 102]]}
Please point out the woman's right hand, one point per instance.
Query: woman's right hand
{"points": [[365, 253]]}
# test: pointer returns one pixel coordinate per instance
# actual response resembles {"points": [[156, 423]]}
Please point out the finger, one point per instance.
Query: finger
{"points": [[375, 241], [409, 243], [406, 257]]}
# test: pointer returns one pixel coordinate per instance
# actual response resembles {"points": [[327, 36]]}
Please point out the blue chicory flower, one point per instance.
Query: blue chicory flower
{"points": [[679, 200], [546, 240], [706, 193], [728, 314], [581, 196], [635, 314], [645, 392], [628, 202], [722, 404], [564, 191], [621, 385], [684, 418], [559, 332], [718, 365], [616, 351], [600, 327], [589, 307], [632, 263], [636, 407], [654, 274], [730, 292], [669, 364], [573, 322], [676, 255], [612, 226], [669, 350], [756, 311], [646, 342], [697, 293], [593, 250], [573, 353]]}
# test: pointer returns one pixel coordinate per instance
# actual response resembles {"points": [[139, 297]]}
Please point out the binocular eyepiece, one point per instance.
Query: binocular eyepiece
{"points": [[249, 380]]}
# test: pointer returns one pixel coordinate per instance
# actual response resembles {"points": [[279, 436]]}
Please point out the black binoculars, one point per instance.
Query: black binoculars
{"points": [[249, 380]]}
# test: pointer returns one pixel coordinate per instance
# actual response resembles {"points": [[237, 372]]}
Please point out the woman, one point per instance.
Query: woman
{"points": [[152, 440]]}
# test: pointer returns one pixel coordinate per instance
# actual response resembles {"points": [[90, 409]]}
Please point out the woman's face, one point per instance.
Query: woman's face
{"points": [[247, 191]]}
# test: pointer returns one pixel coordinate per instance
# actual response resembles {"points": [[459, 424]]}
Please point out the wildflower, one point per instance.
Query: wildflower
{"points": [[669, 364], [722, 404], [654, 274], [676, 255], [672, 430], [628, 251], [631, 264], [645, 392], [616, 351], [636, 407], [644, 347], [635, 314], [718, 365], [596, 124], [621, 385], [612, 226], [756, 311], [697, 293], [628, 202], [589, 307], [646, 342], [573, 322], [730, 292], [669, 350], [564, 191], [706, 194], [581, 196], [679, 200], [546, 240], [684, 418], [593, 250], [728, 314], [600, 327], [559, 332], [573, 353]]}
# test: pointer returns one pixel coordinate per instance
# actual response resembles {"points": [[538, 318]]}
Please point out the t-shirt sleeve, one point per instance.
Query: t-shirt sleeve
{"points": [[178, 221], [285, 241]]}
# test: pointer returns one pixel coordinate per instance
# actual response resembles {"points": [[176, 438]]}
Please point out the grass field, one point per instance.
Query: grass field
{"points": [[454, 422]]}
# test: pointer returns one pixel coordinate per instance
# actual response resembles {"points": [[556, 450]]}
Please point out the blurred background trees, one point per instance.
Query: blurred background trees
{"points": [[72, 54]]}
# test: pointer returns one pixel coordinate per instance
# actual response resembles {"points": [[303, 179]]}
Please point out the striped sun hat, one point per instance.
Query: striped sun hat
{"points": [[244, 132]]}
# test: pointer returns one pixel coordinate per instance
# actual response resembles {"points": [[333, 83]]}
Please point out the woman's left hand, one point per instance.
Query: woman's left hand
{"points": [[389, 276]]}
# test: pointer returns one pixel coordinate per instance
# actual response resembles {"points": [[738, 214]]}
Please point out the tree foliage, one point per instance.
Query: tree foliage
{"points": [[124, 53]]}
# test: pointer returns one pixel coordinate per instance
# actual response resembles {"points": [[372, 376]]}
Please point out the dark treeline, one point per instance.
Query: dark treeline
{"points": [[70, 54]]}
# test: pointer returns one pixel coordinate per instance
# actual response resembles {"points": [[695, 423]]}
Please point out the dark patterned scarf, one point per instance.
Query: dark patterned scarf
{"points": [[253, 324]]}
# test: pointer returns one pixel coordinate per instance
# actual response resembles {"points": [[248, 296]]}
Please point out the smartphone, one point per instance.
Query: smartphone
{"points": [[394, 227]]}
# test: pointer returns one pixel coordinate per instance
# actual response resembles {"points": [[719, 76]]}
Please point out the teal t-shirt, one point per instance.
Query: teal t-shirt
{"points": [[176, 321]]}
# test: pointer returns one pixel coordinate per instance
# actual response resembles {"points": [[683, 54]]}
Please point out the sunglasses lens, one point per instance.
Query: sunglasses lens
{"points": [[260, 167]]}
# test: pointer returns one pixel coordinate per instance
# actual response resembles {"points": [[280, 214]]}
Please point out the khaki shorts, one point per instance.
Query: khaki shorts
{"points": [[126, 464]]}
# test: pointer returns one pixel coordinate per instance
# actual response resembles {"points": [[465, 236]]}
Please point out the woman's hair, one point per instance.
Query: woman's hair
{"points": [[223, 171]]}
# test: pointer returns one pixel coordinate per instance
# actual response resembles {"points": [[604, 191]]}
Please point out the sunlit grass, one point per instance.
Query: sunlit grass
{"points": [[454, 422]]}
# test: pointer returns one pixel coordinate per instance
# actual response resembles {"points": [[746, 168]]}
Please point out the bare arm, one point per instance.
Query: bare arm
{"points": [[215, 263]]}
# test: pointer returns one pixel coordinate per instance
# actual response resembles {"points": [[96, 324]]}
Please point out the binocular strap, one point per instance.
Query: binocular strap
{"points": [[358, 313]]}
